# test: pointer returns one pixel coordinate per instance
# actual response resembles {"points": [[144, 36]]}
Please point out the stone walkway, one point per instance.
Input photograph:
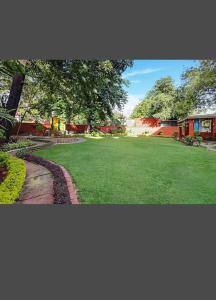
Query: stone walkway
{"points": [[38, 186]]}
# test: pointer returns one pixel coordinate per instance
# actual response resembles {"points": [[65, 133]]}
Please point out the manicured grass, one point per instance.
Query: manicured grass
{"points": [[138, 170]]}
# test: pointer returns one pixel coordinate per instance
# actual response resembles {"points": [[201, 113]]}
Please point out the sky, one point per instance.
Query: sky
{"points": [[144, 73]]}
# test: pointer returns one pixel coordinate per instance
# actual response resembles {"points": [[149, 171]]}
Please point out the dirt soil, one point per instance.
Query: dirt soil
{"points": [[3, 173]]}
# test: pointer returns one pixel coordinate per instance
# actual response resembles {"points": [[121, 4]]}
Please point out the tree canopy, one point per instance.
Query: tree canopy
{"points": [[159, 102], [197, 92], [92, 88]]}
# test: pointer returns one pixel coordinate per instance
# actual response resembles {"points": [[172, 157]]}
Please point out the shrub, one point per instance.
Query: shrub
{"points": [[189, 140], [19, 144], [95, 132], [198, 140], [39, 127], [11, 187], [119, 130]]}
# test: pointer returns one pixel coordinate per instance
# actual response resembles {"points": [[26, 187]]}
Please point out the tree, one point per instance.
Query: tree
{"points": [[199, 84], [16, 70], [101, 88], [66, 87], [159, 102]]}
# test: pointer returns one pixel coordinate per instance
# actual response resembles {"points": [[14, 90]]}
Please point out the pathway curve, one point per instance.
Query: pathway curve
{"points": [[38, 186]]}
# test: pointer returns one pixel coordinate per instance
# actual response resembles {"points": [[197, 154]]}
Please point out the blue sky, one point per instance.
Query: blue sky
{"points": [[144, 73]]}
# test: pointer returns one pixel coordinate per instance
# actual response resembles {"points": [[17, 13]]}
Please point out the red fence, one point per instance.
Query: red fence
{"points": [[83, 128], [29, 129]]}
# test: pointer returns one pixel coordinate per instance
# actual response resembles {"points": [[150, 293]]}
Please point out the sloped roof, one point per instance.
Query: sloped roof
{"points": [[207, 116]]}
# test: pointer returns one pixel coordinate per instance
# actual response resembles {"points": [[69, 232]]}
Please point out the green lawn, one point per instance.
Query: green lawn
{"points": [[138, 170]]}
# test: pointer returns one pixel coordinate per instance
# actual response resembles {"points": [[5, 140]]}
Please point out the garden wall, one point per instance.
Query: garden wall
{"points": [[83, 128], [166, 130], [28, 129]]}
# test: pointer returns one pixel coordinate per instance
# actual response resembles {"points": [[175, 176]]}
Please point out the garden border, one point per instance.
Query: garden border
{"points": [[64, 188], [62, 191]]}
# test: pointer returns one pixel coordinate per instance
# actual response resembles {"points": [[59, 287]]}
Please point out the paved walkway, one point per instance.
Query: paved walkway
{"points": [[38, 186], [211, 145]]}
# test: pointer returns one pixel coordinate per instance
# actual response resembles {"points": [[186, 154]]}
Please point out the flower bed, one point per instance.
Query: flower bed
{"points": [[12, 184], [17, 145]]}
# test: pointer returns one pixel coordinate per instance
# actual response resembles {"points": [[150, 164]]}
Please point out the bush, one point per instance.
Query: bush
{"points": [[193, 141], [38, 126], [198, 140], [19, 144], [11, 187], [119, 130], [189, 140], [95, 132]]}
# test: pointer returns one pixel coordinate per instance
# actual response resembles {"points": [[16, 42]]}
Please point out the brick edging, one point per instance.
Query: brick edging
{"points": [[71, 187]]}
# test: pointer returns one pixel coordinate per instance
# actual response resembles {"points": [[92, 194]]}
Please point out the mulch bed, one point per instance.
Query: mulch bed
{"points": [[61, 193]]}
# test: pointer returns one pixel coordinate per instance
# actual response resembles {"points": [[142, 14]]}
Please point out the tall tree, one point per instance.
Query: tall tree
{"points": [[159, 102], [16, 70], [199, 84]]}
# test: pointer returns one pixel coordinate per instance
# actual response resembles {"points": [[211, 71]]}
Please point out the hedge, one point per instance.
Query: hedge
{"points": [[11, 187]]}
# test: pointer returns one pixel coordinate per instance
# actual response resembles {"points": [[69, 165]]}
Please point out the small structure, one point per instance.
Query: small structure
{"points": [[153, 126], [203, 125]]}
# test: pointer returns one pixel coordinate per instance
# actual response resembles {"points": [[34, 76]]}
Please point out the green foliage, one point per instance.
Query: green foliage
{"points": [[19, 144], [118, 130], [198, 140], [5, 115], [198, 91], [11, 66], [200, 84], [193, 141], [95, 132], [72, 87], [38, 126], [11, 187], [189, 140], [159, 102]]}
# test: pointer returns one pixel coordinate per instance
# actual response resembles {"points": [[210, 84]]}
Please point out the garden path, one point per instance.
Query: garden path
{"points": [[38, 186]]}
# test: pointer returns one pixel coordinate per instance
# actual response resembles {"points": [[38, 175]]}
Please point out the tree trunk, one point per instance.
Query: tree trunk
{"points": [[14, 98], [89, 127], [20, 124]]}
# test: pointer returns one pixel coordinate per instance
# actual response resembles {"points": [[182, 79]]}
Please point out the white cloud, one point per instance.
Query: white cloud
{"points": [[135, 81], [133, 100], [140, 72]]}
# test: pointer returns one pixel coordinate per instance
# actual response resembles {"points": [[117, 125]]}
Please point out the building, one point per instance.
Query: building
{"points": [[203, 125], [153, 126]]}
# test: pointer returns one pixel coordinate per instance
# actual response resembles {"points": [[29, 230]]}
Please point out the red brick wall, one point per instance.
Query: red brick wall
{"points": [[76, 128], [167, 130], [28, 129], [83, 128]]}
